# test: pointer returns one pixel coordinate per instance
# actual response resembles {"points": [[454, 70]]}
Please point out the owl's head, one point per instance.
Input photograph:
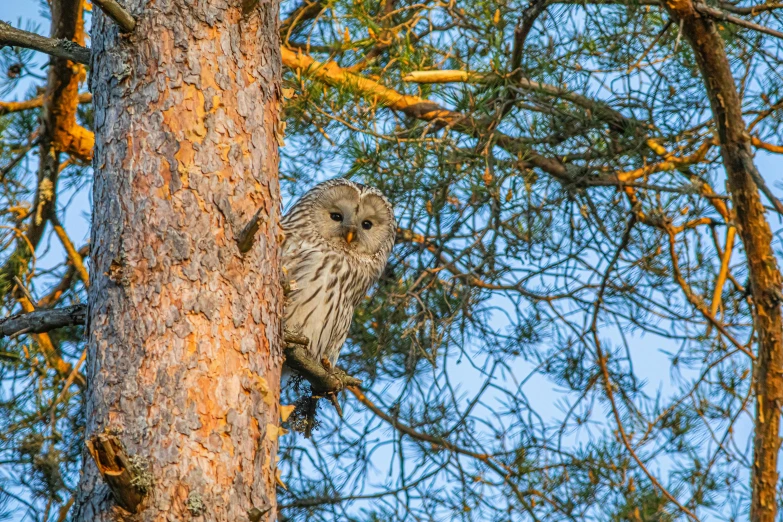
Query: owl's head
{"points": [[353, 217]]}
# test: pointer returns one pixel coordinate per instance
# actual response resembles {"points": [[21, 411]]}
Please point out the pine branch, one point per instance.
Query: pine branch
{"points": [[726, 17], [60, 48]]}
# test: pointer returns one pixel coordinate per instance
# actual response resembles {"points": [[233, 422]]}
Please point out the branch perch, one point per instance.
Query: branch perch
{"points": [[7, 107], [322, 380], [325, 382]]}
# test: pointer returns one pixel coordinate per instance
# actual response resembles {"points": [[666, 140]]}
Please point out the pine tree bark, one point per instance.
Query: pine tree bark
{"points": [[764, 274], [184, 350]]}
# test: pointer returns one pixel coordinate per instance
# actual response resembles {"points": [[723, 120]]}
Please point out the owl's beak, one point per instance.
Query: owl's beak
{"points": [[349, 236]]}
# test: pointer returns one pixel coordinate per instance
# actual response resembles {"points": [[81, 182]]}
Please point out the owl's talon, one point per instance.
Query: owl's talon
{"points": [[326, 364]]}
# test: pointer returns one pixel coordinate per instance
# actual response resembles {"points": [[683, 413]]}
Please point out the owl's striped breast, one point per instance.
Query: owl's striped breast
{"points": [[325, 288]]}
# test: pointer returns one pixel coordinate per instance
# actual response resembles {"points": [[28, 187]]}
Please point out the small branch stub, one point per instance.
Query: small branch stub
{"points": [[117, 13], [248, 235], [248, 6], [128, 477], [254, 514]]}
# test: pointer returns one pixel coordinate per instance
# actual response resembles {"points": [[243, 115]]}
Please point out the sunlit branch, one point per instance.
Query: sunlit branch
{"points": [[414, 106], [724, 271], [670, 163], [696, 301], [65, 283], [777, 149], [35, 103]]}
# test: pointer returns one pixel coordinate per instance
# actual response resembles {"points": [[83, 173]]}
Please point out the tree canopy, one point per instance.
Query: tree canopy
{"points": [[572, 325]]}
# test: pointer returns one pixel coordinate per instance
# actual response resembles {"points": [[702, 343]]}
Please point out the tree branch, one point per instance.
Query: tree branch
{"points": [[35, 103], [60, 48], [414, 106], [722, 15], [752, 225], [41, 321], [305, 11], [322, 380], [522, 29], [73, 255]]}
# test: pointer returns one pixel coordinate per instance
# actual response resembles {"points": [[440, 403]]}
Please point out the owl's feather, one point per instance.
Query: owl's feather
{"points": [[329, 274]]}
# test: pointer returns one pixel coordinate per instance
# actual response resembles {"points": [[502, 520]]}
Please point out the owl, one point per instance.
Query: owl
{"points": [[338, 238]]}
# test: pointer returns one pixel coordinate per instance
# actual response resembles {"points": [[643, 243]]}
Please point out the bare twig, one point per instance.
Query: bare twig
{"points": [[65, 283], [695, 300], [73, 255], [602, 358], [423, 437], [724, 271]]}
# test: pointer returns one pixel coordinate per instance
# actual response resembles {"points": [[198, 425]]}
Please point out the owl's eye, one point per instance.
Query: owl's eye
{"points": [[366, 225], [336, 216]]}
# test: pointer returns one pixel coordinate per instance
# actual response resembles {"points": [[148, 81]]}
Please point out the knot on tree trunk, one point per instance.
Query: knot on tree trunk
{"points": [[127, 476]]}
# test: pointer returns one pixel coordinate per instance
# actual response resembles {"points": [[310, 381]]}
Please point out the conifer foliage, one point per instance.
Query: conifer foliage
{"points": [[581, 319]]}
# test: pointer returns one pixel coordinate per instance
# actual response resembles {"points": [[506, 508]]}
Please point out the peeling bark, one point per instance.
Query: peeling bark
{"points": [[765, 277], [184, 351]]}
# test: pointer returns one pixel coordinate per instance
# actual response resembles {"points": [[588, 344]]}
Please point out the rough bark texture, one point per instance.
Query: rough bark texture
{"points": [[184, 354], [765, 278]]}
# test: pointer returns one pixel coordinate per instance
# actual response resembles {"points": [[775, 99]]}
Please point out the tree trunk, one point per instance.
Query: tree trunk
{"points": [[765, 277], [184, 355]]}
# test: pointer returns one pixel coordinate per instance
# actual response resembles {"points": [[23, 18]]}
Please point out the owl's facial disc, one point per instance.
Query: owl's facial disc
{"points": [[348, 221]]}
